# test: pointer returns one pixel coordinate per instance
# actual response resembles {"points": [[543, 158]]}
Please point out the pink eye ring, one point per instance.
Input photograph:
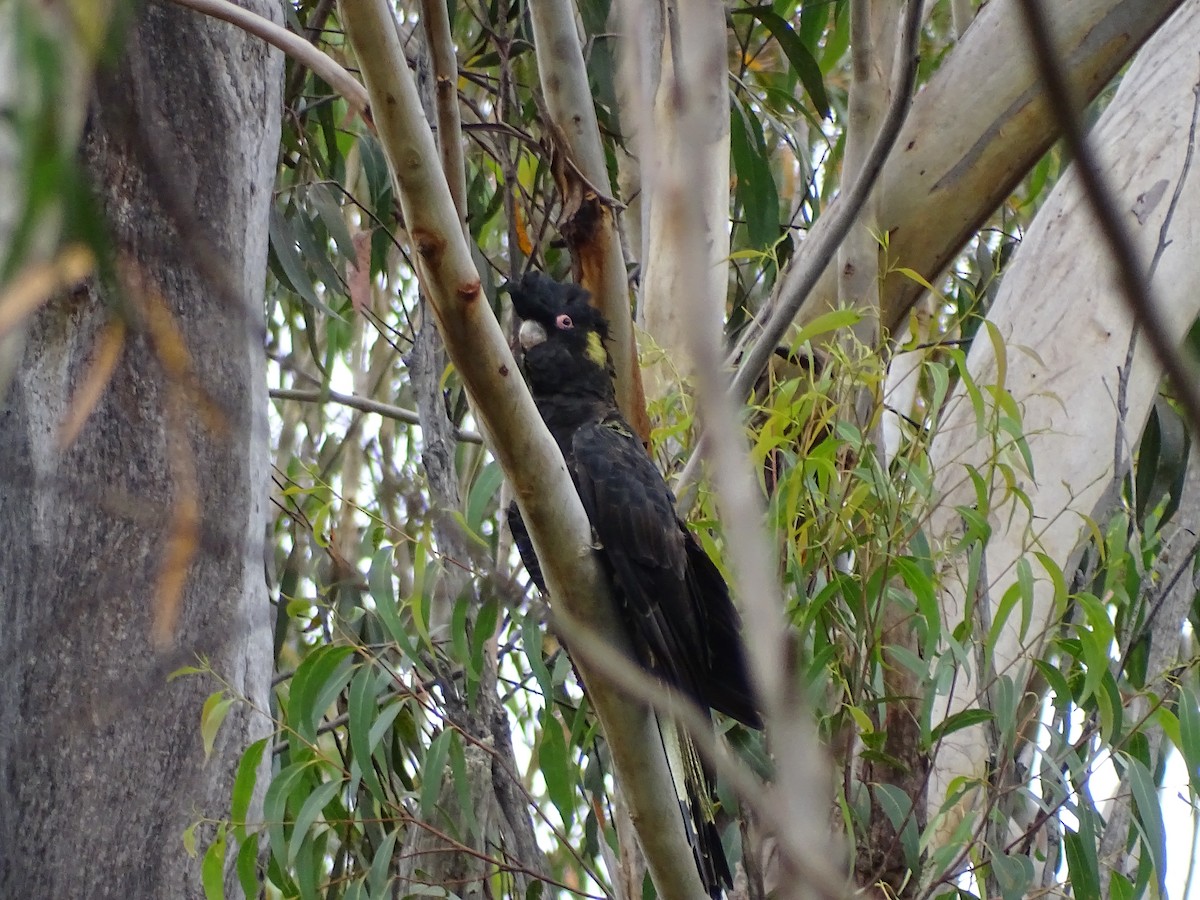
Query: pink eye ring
{"points": [[563, 322]]}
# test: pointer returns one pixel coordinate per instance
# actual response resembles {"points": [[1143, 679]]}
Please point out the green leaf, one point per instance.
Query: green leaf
{"points": [[247, 865], [309, 867], [212, 869], [321, 197], [482, 631], [379, 179], [483, 491], [1189, 735], [216, 707], [310, 811], [275, 807], [897, 806], [290, 271], [813, 18], [756, 191], [531, 641], [556, 767], [189, 839], [243, 786], [363, 709], [826, 323], [958, 721], [1119, 887], [432, 773], [317, 681], [378, 877], [384, 722], [837, 39], [1149, 813], [1082, 863], [799, 55], [1014, 875], [921, 585], [458, 630], [462, 784]]}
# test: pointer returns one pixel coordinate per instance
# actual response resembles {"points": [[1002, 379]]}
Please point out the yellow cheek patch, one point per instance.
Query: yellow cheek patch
{"points": [[595, 350]]}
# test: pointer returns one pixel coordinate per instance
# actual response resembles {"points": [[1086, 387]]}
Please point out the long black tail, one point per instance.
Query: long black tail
{"points": [[696, 789]]}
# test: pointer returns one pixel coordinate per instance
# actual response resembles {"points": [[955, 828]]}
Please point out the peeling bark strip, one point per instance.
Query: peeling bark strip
{"points": [[95, 745], [579, 168]]}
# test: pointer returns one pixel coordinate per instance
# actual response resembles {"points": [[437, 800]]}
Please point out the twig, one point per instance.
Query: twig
{"points": [[436, 19], [291, 44], [1159, 250], [366, 404]]}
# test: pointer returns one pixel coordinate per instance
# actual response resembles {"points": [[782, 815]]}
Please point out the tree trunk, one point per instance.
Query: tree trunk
{"points": [[1066, 327], [101, 760]]}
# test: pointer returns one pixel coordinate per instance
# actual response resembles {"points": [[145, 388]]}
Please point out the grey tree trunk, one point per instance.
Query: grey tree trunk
{"points": [[101, 761]]}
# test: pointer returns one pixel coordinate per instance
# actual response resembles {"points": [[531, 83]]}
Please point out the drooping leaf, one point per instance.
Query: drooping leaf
{"points": [[797, 52]]}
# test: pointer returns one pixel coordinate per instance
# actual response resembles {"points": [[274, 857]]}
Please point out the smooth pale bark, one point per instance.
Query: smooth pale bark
{"points": [[875, 29], [639, 67], [874, 26], [1066, 328], [666, 306], [517, 436], [973, 132], [101, 762]]}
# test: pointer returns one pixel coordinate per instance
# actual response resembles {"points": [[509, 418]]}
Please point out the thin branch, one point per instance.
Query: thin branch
{"points": [[291, 44], [1135, 287], [436, 19], [366, 404], [825, 239], [797, 283], [1159, 249], [802, 777]]}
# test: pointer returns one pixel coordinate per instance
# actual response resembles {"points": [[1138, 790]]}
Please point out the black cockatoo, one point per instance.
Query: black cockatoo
{"points": [[672, 598]]}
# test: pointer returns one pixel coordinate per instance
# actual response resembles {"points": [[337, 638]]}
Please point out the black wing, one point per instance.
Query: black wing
{"points": [[525, 546], [682, 622]]}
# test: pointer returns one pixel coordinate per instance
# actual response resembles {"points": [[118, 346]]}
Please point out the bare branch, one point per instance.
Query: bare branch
{"points": [[549, 503], [436, 19], [366, 404], [291, 44], [802, 780]]}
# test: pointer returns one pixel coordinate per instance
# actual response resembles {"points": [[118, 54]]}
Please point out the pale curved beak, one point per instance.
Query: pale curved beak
{"points": [[531, 334]]}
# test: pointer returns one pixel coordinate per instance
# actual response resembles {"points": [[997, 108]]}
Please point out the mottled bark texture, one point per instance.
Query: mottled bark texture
{"points": [[101, 763]]}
